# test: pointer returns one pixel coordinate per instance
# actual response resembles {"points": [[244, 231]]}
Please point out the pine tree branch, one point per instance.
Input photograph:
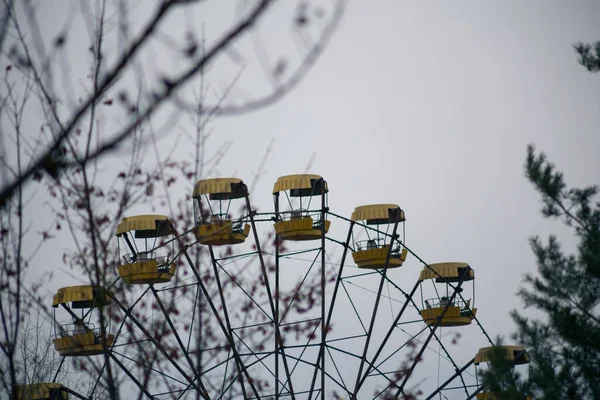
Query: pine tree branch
{"points": [[550, 184]]}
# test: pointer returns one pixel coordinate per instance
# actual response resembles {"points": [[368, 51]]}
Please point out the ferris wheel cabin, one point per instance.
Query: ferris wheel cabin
{"points": [[515, 355], [377, 223], [81, 337], [42, 391], [214, 224], [443, 275], [300, 221], [146, 260]]}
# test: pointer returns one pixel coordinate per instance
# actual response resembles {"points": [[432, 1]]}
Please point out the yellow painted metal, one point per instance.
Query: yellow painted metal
{"points": [[84, 296], [146, 272], [448, 270], [41, 391], [404, 254], [483, 355], [220, 233], [217, 186], [452, 317], [378, 213], [375, 258], [299, 229], [139, 223], [302, 181], [85, 344]]}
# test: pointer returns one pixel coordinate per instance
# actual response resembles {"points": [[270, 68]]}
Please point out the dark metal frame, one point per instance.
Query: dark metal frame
{"points": [[244, 357]]}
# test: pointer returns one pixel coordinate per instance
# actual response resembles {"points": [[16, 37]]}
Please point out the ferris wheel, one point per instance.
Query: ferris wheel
{"points": [[251, 305]]}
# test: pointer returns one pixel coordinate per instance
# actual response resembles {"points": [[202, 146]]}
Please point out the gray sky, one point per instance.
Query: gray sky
{"points": [[429, 105]]}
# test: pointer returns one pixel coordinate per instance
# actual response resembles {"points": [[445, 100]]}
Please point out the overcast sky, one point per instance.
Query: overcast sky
{"points": [[429, 105]]}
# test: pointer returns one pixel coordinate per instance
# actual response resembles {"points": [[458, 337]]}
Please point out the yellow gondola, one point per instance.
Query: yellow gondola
{"points": [[214, 224], [42, 391], [459, 312], [516, 355], [146, 262], [372, 252], [81, 338], [301, 222]]}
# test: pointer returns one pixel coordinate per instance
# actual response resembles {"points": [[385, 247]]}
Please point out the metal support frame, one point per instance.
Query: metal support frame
{"points": [[181, 345], [472, 396], [214, 310], [457, 373], [324, 326], [158, 345], [73, 393], [116, 335], [465, 273], [130, 375], [276, 315], [59, 368], [332, 304], [226, 315], [375, 308], [274, 309], [368, 366], [410, 299]]}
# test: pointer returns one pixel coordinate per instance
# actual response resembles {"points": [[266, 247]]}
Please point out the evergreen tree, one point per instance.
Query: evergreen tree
{"points": [[589, 55], [501, 380], [565, 344]]}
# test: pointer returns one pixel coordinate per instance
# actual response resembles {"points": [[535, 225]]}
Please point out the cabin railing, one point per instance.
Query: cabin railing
{"points": [[131, 258]]}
